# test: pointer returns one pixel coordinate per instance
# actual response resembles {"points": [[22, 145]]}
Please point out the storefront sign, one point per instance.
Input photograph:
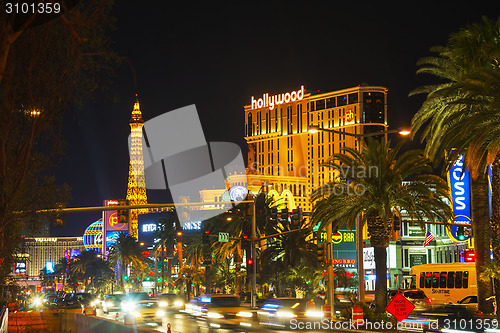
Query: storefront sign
{"points": [[417, 259]]}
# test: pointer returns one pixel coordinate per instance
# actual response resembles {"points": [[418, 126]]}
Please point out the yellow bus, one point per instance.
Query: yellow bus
{"points": [[445, 283]]}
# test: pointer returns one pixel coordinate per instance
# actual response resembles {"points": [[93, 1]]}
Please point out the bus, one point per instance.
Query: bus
{"points": [[445, 283]]}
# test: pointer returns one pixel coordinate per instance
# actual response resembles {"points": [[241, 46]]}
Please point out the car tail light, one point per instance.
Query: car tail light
{"points": [[429, 300]]}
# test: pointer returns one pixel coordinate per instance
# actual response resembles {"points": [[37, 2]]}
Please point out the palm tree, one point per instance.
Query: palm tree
{"points": [[101, 275], [61, 269], [168, 238], [373, 190], [126, 252], [458, 114], [79, 267], [223, 275]]}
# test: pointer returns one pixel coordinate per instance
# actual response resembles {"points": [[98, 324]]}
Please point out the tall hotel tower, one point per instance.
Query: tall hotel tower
{"points": [[285, 157], [136, 191]]}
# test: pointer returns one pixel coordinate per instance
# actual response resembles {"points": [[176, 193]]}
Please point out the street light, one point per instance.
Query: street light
{"points": [[315, 129], [361, 274]]}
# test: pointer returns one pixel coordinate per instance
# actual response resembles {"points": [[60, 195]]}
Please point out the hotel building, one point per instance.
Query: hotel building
{"points": [[285, 155], [38, 251]]}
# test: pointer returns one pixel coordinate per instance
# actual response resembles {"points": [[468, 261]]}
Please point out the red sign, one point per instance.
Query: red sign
{"points": [[336, 238], [400, 307], [349, 116]]}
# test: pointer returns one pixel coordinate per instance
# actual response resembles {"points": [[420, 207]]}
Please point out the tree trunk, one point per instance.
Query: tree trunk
{"points": [[495, 219], [237, 282], [482, 239], [381, 278], [379, 239]]}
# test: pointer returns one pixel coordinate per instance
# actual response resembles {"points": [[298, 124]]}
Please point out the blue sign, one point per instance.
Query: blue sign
{"points": [[111, 237], [49, 267], [459, 180]]}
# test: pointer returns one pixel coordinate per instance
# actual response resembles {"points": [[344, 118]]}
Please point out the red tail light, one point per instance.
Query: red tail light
{"points": [[429, 300]]}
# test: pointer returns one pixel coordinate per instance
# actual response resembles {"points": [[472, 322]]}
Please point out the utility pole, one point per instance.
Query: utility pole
{"points": [[254, 255], [329, 267]]}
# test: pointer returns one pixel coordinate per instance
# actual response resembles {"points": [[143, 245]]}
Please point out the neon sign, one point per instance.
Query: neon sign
{"points": [[459, 180], [349, 116], [149, 227], [272, 101]]}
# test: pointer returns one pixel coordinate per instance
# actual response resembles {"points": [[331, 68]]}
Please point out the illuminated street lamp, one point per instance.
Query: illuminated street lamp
{"points": [[315, 129], [361, 274]]}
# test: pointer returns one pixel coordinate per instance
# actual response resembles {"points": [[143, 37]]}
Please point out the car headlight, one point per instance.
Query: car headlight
{"points": [[163, 304], [178, 303], [285, 314], [245, 314], [214, 315], [160, 313], [314, 314], [137, 314], [37, 301], [128, 306]]}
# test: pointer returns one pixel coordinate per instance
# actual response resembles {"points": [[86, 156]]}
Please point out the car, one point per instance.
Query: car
{"points": [[418, 298], [470, 302], [142, 311], [223, 311], [85, 302], [171, 302], [192, 307], [452, 317], [112, 303], [280, 312]]}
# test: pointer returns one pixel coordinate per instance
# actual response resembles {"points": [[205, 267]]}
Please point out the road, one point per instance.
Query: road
{"points": [[182, 323]]}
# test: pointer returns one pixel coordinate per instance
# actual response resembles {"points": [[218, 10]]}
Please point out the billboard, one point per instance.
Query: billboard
{"points": [[459, 181], [147, 227], [20, 267]]}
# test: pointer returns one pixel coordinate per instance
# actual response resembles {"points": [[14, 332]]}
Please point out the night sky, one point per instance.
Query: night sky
{"points": [[217, 58]]}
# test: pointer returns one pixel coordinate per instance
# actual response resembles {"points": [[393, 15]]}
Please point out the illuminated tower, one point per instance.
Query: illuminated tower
{"points": [[136, 191]]}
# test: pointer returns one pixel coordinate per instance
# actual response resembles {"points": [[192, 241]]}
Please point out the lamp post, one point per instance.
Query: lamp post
{"points": [[360, 245], [253, 244]]}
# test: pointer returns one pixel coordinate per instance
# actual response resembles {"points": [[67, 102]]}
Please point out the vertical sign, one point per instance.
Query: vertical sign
{"points": [[459, 181], [112, 226]]}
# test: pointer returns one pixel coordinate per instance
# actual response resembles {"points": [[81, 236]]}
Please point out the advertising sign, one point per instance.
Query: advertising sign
{"points": [[20, 267], [344, 248], [459, 181]]}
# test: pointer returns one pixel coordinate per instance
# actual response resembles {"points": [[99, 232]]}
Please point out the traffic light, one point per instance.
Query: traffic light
{"points": [[59, 218], [125, 277], [273, 218], [158, 279], [122, 215], [322, 253], [205, 237], [469, 255], [296, 218], [249, 264], [460, 233], [396, 222], [244, 240], [284, 216]]}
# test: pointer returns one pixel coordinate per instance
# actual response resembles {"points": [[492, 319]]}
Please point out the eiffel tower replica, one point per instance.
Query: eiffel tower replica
{"points": [[136, 190]]}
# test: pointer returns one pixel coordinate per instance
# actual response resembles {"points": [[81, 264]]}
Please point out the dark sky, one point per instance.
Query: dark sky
{"points": [[217, 57]]}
